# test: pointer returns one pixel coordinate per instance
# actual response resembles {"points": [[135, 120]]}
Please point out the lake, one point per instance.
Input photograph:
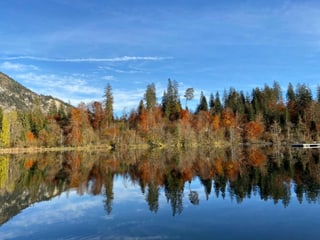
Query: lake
{"points": [[249, 193]]}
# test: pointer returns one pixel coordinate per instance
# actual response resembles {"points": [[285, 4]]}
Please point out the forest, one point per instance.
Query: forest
{"points": [[267, 116]]}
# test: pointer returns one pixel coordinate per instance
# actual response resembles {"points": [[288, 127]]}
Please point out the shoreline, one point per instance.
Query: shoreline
{"points": [[107, 147], [21, 150]]}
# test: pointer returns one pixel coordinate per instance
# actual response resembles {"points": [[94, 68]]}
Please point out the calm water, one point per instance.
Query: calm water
{"points": [[253, 194]]}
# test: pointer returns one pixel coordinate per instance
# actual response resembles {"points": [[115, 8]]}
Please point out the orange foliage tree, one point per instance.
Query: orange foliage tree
{"points": [[256, 158], [253, 130]]}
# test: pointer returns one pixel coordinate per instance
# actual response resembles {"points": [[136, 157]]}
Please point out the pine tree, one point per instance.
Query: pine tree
{"points": [[150, 96], [53, 109], [303, 98], [108, 105], [211, 103], [203, 105], [170, 102], [291, 104], [188, 95], [38, 120], [217, 104], [291, 96]]}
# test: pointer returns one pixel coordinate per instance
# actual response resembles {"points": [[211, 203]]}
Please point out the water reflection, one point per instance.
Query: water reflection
{"points": [[240, 173]]}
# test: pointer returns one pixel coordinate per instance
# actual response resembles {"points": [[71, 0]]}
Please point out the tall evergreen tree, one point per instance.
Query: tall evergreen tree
{"points": [[203, 105], [291, 96], [211, 103], [318, 94], [108, 105], [38, 120], [52, 109], [150, 96], [217, 104], [171, 105], [303, 98], [277, 92], [234, 101]]}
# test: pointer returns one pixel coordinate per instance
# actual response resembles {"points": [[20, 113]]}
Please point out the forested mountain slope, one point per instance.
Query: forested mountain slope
{"points": [[13, 95]]}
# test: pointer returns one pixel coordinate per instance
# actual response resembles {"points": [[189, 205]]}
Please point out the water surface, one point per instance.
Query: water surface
{"points": [[251, 194]]}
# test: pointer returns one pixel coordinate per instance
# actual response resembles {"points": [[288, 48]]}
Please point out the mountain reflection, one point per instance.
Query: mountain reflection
{"points": [[240, 173]]}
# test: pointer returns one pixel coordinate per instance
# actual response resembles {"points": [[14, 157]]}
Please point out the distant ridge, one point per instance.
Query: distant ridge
{"points": [[13, 95]]}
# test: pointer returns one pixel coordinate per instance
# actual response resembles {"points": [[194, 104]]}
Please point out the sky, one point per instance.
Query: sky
{"points": [[71, 49]]}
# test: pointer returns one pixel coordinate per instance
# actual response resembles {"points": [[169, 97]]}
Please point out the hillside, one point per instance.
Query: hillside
{"points": [[13, 95]]}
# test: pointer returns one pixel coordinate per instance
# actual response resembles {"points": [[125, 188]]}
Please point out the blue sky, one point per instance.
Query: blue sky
{"points": [[71, 49]]}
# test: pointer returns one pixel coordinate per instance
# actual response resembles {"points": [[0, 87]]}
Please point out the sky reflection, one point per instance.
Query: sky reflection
{"points": [[112, 203]]}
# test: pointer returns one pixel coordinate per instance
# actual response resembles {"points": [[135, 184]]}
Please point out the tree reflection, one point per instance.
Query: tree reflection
{"points": [[153, 197], [207, 184], [173, 189], [237, 173], [109, 192], [193, 196]]}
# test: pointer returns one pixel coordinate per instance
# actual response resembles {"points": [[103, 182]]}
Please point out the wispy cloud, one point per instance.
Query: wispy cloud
{"points": [[75, 60], [9, 66], [69, 88], [127, 70], [126, 100], [109, 78], [70, 83]]}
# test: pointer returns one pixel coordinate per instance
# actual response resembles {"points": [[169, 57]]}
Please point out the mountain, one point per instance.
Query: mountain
{"points": [[13, 95]]}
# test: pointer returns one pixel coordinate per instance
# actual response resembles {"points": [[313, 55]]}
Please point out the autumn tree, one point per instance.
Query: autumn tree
{"points": [[74, 137], [5, 130], [80, 131], [4, 171], [15, 128], [142, 118], [97, 116], [229, 121], [253, 130]]}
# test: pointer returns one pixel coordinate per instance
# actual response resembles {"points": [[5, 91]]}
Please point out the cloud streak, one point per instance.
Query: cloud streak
{"points": [[79, 60], [17, 66], [70, 84]]}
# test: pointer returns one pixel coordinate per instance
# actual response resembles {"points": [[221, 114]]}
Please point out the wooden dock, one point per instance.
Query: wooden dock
{"points": [[306, 145]]}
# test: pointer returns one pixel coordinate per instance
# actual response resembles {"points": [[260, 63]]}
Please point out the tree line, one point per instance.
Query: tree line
{"points": [[263, 116]]}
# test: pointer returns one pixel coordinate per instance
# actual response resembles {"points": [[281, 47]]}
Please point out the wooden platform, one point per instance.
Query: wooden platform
{"points": [[306, 145]]}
